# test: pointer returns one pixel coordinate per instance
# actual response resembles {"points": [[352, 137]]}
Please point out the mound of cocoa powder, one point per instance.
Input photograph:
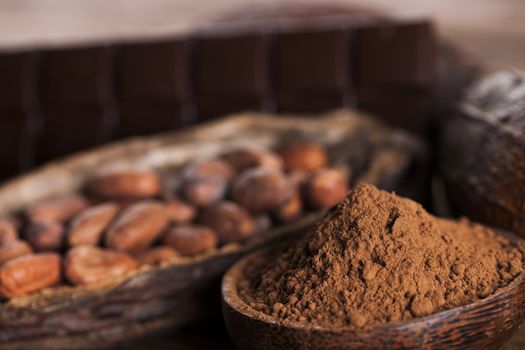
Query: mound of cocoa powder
{"points": [[378, 258]]}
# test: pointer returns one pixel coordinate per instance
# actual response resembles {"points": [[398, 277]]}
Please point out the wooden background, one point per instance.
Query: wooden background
{"points": [[491, 30]]}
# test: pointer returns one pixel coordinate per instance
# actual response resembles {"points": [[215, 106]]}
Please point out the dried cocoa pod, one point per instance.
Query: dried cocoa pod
{"points": [[190, 240], [243, 159], [86, 264], [303, 156], [57, 209], [229, 220], [157, 255], [291, 209], [179, 211], [260, 190], [137, 227], [125, 184], [88, 226], [13, 250], [326, 188], [8, 231], [29, 273], [45, 235]]}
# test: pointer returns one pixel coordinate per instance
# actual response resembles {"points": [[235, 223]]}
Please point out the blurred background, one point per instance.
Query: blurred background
{"points": [[77, 74]]}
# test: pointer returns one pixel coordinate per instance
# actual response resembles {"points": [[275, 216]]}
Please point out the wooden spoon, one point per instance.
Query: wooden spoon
{"points": [[484, 324]]}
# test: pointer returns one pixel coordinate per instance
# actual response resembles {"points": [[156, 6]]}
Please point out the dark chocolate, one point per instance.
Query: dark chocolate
{"points": [[408, 108], [70, 129], [17, 136], [142, 118], [395, 54], [230, 74], [18, 78], [153, 72], [76, 76]]}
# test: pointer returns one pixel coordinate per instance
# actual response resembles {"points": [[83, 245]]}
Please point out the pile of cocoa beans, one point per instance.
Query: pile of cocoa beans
{"points": [[125, 219]]}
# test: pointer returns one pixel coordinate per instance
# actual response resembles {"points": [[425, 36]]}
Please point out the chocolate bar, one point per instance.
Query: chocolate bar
{"points": [[76, 76], [156, 71], [395, 54], [287, 58], [70, 129], [18, 82], [141, 118], [230, 73], [17, 135]]}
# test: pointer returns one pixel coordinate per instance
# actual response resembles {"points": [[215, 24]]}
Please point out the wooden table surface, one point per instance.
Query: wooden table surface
{"points": [[491, 31]]}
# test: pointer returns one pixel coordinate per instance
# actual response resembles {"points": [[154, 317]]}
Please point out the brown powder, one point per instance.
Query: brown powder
{"points": [[379, 258]]}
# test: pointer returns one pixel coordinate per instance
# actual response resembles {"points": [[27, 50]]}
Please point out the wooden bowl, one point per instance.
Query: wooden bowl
{"points": [[484, 324], [483, 152], [156, 298]]}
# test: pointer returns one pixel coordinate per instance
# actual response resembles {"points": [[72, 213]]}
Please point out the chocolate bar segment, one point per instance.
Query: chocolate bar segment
{"points": [[18, 78], [230, 73], [141, 118], [153, 71], [394, 53], [17, 135], [311, 70], [67, 129], [76, 76]]}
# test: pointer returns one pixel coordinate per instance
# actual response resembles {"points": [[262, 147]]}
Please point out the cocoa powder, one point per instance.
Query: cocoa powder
{"points": [[378, 258]]}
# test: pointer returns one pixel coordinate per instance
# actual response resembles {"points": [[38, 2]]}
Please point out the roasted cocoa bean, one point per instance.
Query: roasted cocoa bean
{"points": [[230, 221], [88, 226], [86, 264], [243, 159], [29, 273], [125, 184], [291, 210], [137, 227], [157, 255], [205, 182], [190, 240], [45, 235], [204, 191], [208, 168], [262, 222], [8, 231], [57, 209], [303, 156], [13, 250], [260, 190], [326, 188], [179, 211]]}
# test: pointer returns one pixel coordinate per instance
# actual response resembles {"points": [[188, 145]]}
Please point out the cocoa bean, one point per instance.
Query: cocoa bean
{"points": [[29, 273], [125, 184], [57, 209], [190, 240], [45, 235], [88, 226], [230, 221], [137, 227], [86, 264]]}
